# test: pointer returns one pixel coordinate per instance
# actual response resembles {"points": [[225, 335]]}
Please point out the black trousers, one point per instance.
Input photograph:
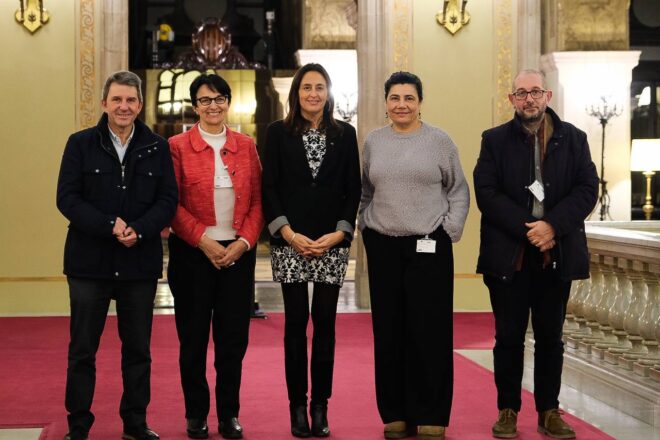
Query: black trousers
{"points": [[411, 306], [204, 295], [541, 291], [90, 300], [296, 317]]}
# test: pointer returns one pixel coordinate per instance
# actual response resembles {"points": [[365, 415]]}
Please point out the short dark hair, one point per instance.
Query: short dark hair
{"points": [[125, 78], [404, 78], [294, 120], [214, 82]]}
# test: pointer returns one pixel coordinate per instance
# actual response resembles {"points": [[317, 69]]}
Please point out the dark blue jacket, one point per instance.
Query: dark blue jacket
{"points": [[94, 188], [503, 172]]}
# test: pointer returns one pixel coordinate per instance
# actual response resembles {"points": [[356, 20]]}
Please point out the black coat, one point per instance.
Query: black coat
{"points": [[503, 172], [94, 189], [313, 206]]}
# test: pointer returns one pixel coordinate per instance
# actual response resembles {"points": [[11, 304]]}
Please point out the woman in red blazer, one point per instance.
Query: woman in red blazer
{"points": [[212, 253]]}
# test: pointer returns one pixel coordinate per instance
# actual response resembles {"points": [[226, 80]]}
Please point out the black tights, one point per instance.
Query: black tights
{"points": [[296, 313]]}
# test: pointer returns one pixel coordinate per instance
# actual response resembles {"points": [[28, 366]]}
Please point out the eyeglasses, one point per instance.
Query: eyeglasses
{"points": [[521, 95], [205, 100]]}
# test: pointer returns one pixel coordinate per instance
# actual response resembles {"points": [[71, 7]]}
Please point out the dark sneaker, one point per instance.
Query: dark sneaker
{"points": [[552, 425], [505, 426]]}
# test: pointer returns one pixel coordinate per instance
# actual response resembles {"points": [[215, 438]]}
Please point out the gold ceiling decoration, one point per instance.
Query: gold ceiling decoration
{"points": [[31, 14], [453, 16]]}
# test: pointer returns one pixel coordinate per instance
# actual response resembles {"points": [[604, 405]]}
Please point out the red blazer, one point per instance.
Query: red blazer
{"points": [[194, 167]]}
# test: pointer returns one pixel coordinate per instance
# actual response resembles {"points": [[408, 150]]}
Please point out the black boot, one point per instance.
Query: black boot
{"points": [[299, 422], [197, 428], [319, 415]]}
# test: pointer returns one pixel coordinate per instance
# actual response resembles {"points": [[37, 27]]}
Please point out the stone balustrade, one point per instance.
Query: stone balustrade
{"points": [[614, 316]]}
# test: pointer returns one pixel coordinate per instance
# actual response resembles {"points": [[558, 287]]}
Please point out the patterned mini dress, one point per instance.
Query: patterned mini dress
{"points": [[291, 267]]}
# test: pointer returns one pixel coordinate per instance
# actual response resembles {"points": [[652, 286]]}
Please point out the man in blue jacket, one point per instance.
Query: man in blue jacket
{"points": [[535, 184], [117, 189]]}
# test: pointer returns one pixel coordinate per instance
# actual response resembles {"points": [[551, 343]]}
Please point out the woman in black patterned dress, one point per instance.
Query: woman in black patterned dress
{"points": [[311, 192]]}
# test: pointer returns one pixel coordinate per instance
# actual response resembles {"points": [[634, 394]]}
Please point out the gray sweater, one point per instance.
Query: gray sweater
{"points": [[412, 183]]}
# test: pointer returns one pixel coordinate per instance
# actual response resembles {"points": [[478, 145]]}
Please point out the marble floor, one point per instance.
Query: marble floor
{"points": [[617, 424]]}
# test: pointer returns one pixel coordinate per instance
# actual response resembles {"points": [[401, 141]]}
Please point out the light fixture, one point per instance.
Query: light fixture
{"points": [[346, 106], [645, 157], [453, 16], [31, 14], [604, 111]]}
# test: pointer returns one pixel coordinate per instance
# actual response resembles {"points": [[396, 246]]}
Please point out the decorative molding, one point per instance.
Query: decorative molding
{"points": [[32, 279], [467, 276], [504, 60], [585, 25], [402, 34], [86, 69], [327, 24]]}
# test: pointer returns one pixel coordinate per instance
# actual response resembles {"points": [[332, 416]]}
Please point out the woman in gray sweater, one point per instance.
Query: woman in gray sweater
{"points": [[414, 203]]}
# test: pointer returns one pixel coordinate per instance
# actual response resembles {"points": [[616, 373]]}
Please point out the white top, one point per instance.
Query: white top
{"points": [[223, 194]]}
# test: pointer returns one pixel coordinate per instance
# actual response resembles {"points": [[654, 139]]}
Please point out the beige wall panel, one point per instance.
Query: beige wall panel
{"points": [[457, 73], [37, 113], [34, 298]]}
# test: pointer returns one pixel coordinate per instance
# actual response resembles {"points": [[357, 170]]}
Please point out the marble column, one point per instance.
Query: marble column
{"points": [[114, 43], [384, 35], [529, 34]]}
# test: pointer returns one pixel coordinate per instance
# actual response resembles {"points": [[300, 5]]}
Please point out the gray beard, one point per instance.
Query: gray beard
{"points": [[524, 118]]}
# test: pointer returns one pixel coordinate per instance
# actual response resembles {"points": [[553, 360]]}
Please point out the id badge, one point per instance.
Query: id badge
{"points": [[426, 245], [223, 182], [537, 189]]}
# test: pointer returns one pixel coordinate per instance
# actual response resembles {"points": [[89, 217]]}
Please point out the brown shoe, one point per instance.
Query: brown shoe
{"points": [[552, 425], [396, 429], [430, 432], [505, 426]]}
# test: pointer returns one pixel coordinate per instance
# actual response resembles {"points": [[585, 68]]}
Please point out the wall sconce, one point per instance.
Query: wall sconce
{"points": [[346, 106], [32, 14], [453, 17], [645, 157]]}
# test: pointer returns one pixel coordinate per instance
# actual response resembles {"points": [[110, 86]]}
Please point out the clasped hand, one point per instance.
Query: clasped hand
{"points": [[219, 255], [309, 248], [541, 234], [124, 233]]}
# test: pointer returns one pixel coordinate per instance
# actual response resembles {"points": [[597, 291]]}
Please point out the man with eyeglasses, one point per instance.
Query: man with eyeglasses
{"points": [[535, 184], [117, 189]]}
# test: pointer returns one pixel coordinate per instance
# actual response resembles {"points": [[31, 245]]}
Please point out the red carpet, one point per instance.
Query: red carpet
{"points": [[33, 366]]}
